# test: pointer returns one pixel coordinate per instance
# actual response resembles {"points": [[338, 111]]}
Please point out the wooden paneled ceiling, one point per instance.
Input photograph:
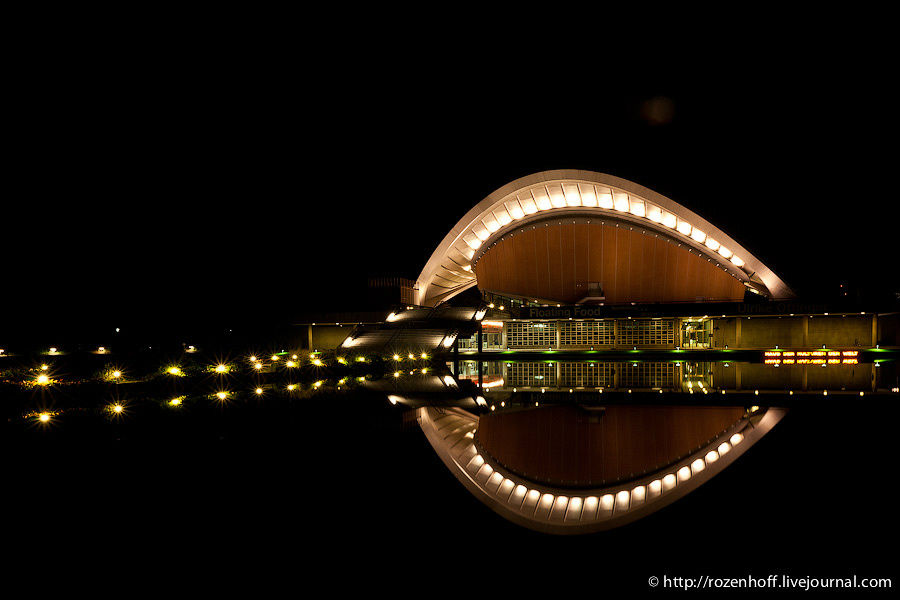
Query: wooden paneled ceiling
{"points": [[557, 260], [566, 445]]}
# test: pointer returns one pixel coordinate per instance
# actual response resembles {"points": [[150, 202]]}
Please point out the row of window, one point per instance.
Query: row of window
{"points": [[646, 332], [637, 332], [525, 334], [587, 333]]}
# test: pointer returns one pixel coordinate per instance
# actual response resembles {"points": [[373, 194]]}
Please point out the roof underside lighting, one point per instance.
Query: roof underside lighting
{"points": [[567, 195]]}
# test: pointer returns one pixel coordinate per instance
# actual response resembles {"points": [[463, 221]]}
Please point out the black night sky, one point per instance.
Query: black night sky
{"points": [[157, 192]]}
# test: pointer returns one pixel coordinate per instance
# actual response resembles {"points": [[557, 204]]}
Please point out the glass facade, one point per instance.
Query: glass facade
{"points": [[697, 333], [646, 332], [530, 334], [493, 340], [586, 334]]}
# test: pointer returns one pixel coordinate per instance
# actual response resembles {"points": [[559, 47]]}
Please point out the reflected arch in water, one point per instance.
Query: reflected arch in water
{"points": [[569, 509]]}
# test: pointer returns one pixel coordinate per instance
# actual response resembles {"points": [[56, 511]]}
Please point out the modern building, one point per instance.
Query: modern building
{"points": [[574, 237], [580, 261], [575, 303], [577, 260]]}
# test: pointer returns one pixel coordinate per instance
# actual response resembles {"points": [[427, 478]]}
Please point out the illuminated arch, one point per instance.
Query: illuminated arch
{"points": [[551, 194]]}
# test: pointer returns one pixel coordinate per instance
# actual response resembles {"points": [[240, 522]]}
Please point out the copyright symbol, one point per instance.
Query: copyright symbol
{"points": [[654, 581]]}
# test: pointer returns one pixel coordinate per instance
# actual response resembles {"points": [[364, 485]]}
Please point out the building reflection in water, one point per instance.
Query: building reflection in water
{"points": [[557, 461], [685, 376]]}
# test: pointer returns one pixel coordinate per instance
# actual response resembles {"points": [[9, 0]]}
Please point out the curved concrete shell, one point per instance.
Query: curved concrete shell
{"points": [[581, 227]]}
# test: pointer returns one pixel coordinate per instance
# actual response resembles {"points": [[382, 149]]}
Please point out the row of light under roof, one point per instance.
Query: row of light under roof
{"points": [[583, 195], [536, 501]]}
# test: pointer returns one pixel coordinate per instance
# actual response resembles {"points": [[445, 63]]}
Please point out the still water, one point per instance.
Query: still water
{"points": [[647, 462]]}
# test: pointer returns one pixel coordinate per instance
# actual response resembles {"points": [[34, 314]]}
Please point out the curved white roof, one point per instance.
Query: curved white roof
{"points": [[567, 192]]}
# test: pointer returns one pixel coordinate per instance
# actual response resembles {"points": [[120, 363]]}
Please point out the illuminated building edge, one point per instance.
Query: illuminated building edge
{"points": [[448, 432], [573, 192]]}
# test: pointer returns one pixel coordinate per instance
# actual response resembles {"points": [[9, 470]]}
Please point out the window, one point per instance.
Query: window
{"points": [[586, 333], [646, 332], [530, 334]]}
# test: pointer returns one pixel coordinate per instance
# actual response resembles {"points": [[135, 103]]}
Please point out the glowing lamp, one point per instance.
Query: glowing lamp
{"points": [[669, 220], [698, 235]]}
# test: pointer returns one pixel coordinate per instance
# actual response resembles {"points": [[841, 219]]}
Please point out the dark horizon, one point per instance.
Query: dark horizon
{"points": [[205, 210]]}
